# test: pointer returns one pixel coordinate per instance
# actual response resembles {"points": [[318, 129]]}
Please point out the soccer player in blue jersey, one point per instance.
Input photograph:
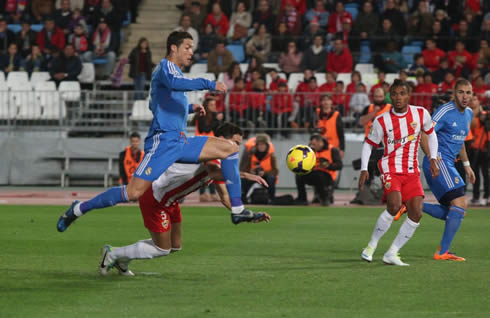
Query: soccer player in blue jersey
{"points": [[166, 141], [452, 125]]}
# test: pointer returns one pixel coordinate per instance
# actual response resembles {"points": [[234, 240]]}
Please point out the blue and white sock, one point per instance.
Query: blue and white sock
{"points": [[108, 198], [231, 174], [453, 221], [436, 210]]}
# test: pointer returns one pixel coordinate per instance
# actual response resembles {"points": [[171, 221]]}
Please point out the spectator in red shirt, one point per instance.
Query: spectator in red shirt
{"points": [[417, 96], [340, 59], [299, 5], [291, 17], [238, 101], [218, 20], [479, 88], [329, 85], [430, 89], [432, 55], [303, 87], [460, 59], [256, 103], [275, 81], [335, 19], [338, 98], [351, 89], [256, 74], [310, 102], [51, 37], [381, 80], [448, 83], [281, 108]]}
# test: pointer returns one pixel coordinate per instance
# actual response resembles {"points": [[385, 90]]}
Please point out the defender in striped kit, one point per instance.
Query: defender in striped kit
{"points": [[399, 130]]}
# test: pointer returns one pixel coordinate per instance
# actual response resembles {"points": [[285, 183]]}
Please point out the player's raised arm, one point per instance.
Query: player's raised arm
{"points": [[173, 80]]}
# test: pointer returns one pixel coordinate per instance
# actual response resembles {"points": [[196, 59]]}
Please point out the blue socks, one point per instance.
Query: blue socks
{"points": [[453, 221], [108, 198], [436, 210], [231, 174]]}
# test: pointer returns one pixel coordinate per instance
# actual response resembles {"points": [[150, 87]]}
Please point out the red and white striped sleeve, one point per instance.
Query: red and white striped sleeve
{"points": [[376, 133], [427, 124]]}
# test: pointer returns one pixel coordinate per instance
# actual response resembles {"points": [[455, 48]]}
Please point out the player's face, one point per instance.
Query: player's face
{"points": [[135, 143], [184, 52], [464, 94], [399, 96], [237, 139]]}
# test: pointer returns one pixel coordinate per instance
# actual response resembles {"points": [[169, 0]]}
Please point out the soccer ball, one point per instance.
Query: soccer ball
{"points": [[301, 159]]}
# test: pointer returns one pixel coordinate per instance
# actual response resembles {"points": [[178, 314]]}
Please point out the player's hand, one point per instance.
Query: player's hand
{"points": [[220, 87], [362, 179], [434, 168], [255, 178], [199, 109], [470, 174], [265, 218]]}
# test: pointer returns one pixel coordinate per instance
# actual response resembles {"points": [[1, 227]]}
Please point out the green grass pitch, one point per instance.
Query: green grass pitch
{"points": [[305, 263]]}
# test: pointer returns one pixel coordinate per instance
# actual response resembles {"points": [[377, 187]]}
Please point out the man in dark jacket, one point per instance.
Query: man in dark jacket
{"points": [[6, 36], [66, 67]]}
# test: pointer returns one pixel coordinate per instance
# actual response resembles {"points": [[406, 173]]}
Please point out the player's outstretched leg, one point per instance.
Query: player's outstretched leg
{"points": [[382, 226], [436, 210], [453, 221]]}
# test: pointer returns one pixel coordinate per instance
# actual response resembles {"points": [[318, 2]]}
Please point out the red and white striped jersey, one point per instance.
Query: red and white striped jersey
{"points": [[400, 134], [178, 181]]}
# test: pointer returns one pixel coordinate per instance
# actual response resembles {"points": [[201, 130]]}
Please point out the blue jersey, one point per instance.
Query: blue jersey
{"points": [[168, 99], [452, 127]]}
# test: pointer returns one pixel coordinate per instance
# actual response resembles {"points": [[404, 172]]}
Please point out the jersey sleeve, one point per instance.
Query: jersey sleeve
{"points": [[173, 80], [376, 134], [427, 124]]}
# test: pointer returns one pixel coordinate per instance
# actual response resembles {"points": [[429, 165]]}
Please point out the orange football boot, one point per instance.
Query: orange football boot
{"points": [[400, 212], [448, 257]]}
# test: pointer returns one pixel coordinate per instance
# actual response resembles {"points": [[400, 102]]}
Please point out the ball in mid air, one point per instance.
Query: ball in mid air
{"points": [[301, 159]]}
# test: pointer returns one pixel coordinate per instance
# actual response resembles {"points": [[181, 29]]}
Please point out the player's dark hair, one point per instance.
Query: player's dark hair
{"points": [[460, 82], [135, 134], [177, 38], [399, 83], [227, 130]]}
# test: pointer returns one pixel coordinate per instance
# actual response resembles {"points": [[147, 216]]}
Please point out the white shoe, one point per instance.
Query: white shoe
{"points": [[393, 259], [123, 268], [106, 261], [367, 253]]}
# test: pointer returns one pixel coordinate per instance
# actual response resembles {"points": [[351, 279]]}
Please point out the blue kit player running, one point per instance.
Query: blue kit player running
{"points": [[452, 124], [166, 142]]}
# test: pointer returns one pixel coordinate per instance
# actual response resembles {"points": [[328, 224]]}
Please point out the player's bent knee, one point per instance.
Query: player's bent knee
{"points": [[393, 207]]}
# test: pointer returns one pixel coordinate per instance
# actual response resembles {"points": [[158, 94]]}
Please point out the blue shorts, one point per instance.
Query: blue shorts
{"points": [[165, 148], [448, 185]]}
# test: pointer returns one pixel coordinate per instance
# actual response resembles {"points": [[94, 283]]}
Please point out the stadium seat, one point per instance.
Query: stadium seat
{"points": [[268, 79], [344, 77], [2, 77], [369, 79], [351, 5], [46, 95], [238, 52], [37, 77], [417, 43], [365, 51], [16, 79], [243, 68], [221, 77], [364, 68], [198, 68], [99, 61], [320, 78], [271, 65], [22, 98], [55, 110], [209, 76], [88, 73], [37, 27], [141, 111], [353, 12], [5, 110], [391, 77], [293, 81], [14, 27], [70, 91], [408, 52]]}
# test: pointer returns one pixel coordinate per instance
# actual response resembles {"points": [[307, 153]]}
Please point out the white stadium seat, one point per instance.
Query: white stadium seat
{"points": [[39, 77], [54, 110], [268, 79], [209, 76], [391, 77], [320, 78], [17, 79], [294, 80], [141, 111], [2, 77], [344, 77], [70, 91], [5, 111], [48, 98], [364, 68], [88, 73], [199, 68], [221, 77], [243, 68], [271, 65], [23, 98]]}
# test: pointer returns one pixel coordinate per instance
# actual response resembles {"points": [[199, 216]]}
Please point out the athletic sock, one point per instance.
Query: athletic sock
{"points": [[436, 210], [453, 221], [144, 249], [108, 198], [406, 231], [382, 225], [231, 174]]}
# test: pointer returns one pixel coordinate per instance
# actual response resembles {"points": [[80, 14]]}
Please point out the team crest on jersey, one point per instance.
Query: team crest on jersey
{"points": [[414, 125], [148, 171], [456, 180], [165, 221]]}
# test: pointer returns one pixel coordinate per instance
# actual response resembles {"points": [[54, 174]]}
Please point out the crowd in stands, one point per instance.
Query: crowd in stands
{"points": [[56, 36]]}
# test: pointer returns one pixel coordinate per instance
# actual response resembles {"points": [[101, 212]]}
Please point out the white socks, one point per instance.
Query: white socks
{"points": [[237, 209], [382, 226], [144, 249], [76, 210], [406, 231]]}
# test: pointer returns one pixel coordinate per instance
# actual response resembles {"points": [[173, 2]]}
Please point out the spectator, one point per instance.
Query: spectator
{"points": [[141, 66], [391, 61], [318, 13], [238, 102], [329, 85], [355, 79], [441, 17], [358, 101], [281, 108], [380, 82], [260, 160], [481, 59], [102, 46], [197, 15], [479, 88], [485, 29], [185, 25], [63, 16], [396, 17], [113, 19], [418, 67], [385, 33], [438, 75], [430, 89], [41, 9], [74, 4], [420, 22], [340, 59], [257, 105], [76, 19], [207, 42], [339, 98], [231, 74], [281, 39], [79, 40], [378, 107], [312, 30], [330, 124], [219, 59], [298, 5], [479, 152], [219, 99], [260, 44], [275, 81], [460, 60], [240, 22], [463, 35], [219, 20], [6, 36], [315, 57], [12, 61], [453, 8], [264, 15], [290, 61], [448, 83], [324, 174], [335, 19], [256, 75], [432, 55], [66, 67], [308, 104], [366, 23], [130, 158], [441, 38], [254, 65], [417, 96], [15, 10], [50, 38], [26, 38], [35, 61], [291, 18]]}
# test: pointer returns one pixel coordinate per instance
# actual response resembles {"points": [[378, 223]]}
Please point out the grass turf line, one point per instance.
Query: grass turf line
{"points": [[305, 262]]}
